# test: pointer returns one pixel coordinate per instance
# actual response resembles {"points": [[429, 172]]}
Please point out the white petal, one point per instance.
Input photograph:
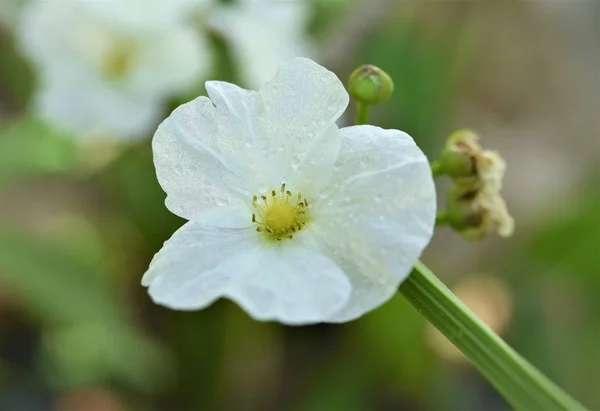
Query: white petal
{"points": [[46, 34], [245, 112], [197, 263], [378, 215], [287, 282], [100, 110], [203, 161], [302, 103], [169, 62], [148, 15], [292, 284]]}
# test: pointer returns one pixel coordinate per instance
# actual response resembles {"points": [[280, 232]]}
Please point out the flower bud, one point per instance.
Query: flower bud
{"points": [[370, 85], [458, 160]]}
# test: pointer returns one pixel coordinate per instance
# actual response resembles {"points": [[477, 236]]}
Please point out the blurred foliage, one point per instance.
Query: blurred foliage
{"points": [[29, 146], [425, 67], [557, 284], [16, 76]]}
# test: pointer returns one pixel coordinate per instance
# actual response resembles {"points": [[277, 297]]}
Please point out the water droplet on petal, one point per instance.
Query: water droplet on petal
{"points": [[296, 161]]}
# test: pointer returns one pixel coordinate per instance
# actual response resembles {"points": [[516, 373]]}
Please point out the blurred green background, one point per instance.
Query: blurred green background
{"points": [[78, 227]]}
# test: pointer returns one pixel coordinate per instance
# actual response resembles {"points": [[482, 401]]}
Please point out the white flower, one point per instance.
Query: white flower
{"points": [[262, 34], [106, 67], [294, 219]]}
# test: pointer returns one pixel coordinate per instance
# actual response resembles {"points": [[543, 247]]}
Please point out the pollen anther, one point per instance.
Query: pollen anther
{"points": [[278, 218]]}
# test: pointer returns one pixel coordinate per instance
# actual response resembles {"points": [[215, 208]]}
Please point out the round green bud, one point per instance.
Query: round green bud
{"points": [[370, 85], [458, 159], [456, 163]]}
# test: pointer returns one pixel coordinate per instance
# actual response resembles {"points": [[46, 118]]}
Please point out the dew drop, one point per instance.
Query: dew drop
{"points": [[296, 161]]}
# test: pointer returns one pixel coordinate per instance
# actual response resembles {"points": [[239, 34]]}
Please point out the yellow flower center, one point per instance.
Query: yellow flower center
{"points": [[118, 62], [280, 215]]}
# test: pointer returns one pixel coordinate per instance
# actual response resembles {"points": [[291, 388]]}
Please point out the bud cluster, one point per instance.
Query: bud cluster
{"points": [[475, 207]]}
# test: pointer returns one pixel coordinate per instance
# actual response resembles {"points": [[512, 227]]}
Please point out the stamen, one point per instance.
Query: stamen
{"points": [[278, 218]]}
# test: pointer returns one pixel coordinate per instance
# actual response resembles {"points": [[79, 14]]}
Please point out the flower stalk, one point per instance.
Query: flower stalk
{"points": [[436, 168], [521, 384], [362, 113]]}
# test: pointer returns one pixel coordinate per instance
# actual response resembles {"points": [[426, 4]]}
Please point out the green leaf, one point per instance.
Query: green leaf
{"points": [[523, 386], [29, 146]]}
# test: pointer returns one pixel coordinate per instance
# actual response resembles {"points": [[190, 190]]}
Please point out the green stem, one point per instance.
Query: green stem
{"points": [[362, 113], [436, 168], [441, 218], [523, 386]]}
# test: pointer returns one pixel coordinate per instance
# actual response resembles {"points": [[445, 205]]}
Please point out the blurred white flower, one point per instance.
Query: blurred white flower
{"points": [[262, 34], [106, 67], [294, 219]]}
